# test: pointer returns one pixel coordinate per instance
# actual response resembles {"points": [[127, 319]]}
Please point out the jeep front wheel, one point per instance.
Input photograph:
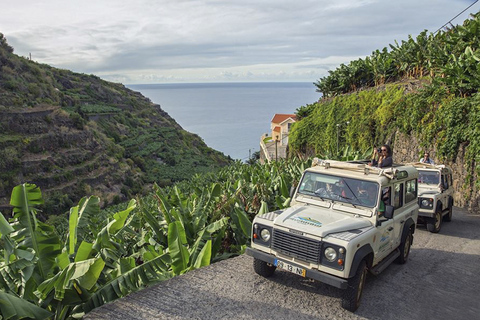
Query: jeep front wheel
{"points": [[434, 224], [263, 268], [353, 293]]}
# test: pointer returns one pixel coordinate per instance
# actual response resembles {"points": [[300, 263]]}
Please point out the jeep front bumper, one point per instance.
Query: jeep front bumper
{"points": [[426, 213], [310, 273]]}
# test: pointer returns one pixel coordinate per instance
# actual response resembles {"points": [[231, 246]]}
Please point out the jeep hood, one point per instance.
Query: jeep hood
{"points": [[319, 221], [428, 189]]}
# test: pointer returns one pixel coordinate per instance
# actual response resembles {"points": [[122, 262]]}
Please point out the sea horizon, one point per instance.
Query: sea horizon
{"points": [[230, 117]]}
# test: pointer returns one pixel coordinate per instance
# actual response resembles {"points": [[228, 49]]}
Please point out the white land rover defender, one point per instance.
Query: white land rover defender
{"points": [[435, 195], [346, 218]]}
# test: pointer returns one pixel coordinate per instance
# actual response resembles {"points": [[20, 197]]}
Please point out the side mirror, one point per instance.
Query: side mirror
{"points": [[292, 191], [389, 210]]}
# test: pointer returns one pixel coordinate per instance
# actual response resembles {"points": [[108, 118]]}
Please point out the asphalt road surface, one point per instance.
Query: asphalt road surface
{"points": [[441, 280]]}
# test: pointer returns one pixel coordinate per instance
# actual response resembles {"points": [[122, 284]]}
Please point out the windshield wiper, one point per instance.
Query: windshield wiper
{"points": [[349, 200], [317, 193]]}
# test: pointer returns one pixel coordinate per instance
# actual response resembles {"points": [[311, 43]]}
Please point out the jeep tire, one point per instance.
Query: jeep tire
{"points": [[353, 293], [434, 224], [262, 268], [405, 248]]}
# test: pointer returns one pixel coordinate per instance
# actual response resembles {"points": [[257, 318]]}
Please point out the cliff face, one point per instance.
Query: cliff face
{"points": [[75, 135]]}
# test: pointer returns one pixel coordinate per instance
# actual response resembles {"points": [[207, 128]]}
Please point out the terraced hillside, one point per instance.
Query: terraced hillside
{"points": [[75, 134]]}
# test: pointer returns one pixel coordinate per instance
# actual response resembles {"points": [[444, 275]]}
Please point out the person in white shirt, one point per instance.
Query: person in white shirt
{"points": [[426, 159]]}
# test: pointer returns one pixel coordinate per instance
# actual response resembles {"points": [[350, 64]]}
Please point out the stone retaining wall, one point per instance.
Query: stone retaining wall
{"points": [[467, 195]]}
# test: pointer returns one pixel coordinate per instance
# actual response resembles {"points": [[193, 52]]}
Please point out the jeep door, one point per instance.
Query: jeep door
{"points": [[405, 204], [400, 212], [383, 243]]}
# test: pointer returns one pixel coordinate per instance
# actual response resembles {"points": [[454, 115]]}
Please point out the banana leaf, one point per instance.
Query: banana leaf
{"points": [[176, 246], [13, 307], [148, 273]]}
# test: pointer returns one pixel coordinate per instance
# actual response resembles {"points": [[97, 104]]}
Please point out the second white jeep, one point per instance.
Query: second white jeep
{"points": [[435, 195], [345, 219]]}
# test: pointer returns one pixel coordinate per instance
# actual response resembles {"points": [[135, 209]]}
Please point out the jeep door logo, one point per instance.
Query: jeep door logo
{"points": [[307, 221]]}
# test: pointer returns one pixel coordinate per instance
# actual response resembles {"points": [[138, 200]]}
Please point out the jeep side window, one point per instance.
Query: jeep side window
{"points": [[444, 182], [410, 190], [398, 196], [385, 200]]}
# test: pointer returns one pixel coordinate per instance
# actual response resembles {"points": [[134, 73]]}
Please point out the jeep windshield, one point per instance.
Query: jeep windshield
{"points": [[341, 189], [428, 177]]}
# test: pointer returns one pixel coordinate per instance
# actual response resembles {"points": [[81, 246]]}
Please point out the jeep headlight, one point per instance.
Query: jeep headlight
{"points": [[262, 234], [426, 203], [330, 254], [265, 234], [333, 256]]}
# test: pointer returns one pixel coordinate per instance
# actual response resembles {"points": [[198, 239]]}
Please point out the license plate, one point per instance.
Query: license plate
{"points": [[288, 267]]}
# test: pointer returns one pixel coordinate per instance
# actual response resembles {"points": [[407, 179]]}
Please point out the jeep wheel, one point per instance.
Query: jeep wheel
{"points": [[435, 224], [448, 216], [405, 248], [262, 268], [353, 293]]}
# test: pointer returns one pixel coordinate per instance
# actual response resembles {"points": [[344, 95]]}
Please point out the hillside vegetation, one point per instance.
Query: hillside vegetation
{"points": [[425, 87], [85, 126], [75, 134]]}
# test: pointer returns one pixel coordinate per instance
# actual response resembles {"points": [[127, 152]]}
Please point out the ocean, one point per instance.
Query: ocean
{"points": [[229, 117]]}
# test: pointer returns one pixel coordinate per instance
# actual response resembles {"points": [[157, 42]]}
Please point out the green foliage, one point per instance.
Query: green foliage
{"points": [[450, 58], [101, 256], [369, 116]]}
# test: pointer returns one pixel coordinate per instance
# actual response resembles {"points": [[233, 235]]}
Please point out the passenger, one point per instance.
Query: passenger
{"points": [[383, 157], [368, 195], [384, 201], [426, 159]]}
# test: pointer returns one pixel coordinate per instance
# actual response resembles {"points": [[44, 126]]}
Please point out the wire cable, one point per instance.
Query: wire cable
{"points": [[455, 16]]}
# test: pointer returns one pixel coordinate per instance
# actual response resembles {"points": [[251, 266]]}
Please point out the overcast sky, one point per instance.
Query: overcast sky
{"points": [[164, 41]]}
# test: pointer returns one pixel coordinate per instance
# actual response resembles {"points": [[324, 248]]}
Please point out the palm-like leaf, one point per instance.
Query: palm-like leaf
{"points": [[148, 273], [13, 307]]}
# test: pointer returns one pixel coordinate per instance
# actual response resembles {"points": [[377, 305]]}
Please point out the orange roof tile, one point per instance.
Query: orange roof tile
{"points": [[280, 117], [277, 129]]}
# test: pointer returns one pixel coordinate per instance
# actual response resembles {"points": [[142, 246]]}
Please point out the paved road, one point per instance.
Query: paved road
{"points": [[441, 280]]}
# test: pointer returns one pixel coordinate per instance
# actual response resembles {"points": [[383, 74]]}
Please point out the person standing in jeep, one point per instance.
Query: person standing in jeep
{"points": [[382, 157], [426, 158]]}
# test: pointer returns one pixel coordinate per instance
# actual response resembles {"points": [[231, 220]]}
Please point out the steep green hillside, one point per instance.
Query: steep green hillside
{"points": [[424, 90], [426, 87], [75, 134]]}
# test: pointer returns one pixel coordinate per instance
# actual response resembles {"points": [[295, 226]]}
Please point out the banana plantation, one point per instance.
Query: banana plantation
{"points": [[62, 271], [451, 58]]}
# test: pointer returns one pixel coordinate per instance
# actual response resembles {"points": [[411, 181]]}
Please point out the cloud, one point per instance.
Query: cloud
{"points": [[214, 40]]}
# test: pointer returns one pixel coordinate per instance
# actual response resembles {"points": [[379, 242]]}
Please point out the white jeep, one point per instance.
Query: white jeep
{"points": [[435, 195], [346, 218]]}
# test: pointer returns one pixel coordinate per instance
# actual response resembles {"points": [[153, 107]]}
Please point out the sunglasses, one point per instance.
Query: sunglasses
{"points": [[384, 149]]}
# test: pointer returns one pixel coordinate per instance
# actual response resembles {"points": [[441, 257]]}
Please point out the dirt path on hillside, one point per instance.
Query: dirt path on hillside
{"points": [[441, 280]]}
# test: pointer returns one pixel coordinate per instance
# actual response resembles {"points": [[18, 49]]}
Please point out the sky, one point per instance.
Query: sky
{"points": [[179, 41]]}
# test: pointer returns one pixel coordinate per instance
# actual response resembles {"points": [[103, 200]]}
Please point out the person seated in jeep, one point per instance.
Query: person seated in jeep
{"points": [[367, 194], [330, 191]]}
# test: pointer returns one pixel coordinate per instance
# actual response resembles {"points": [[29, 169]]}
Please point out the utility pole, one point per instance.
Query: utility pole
{"points": [[276, 148]]}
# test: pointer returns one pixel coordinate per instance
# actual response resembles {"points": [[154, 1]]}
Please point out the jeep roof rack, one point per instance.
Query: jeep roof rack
{"points": [[359, 166], [426, 165]]}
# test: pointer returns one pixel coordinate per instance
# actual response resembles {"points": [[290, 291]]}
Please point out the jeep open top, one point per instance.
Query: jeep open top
{"points": [[346, 218]]}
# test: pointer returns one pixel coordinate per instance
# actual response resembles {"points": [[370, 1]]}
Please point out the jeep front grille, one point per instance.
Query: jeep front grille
{"points": [[296, 246]]}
